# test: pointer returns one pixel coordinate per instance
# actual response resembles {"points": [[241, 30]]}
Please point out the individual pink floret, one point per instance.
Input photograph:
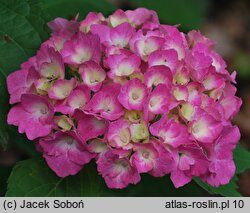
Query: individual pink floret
{"points": [[194, 37], [105, 104], [199, 63], [62, 88], [158, 75], [175, 40], [170, 132], [117, 172], [89, 126], [142, 15], [33, 116], [118, 36], [31, 62], [213, 80], [50, 63], [64, 153], [152, 158], [81, 48], [144, 157], [231, 106], [92, 75], [21, 82], [118, 134], [121, 34], [222, 167], [103, 32], [168, 58], [133, 95], [91, 18], [61, 24], [164, 163], [123, 65], [117, 18], [77, 99], [205, 128], [159, 100], [188, 161], [144, 45], [58, 40]]}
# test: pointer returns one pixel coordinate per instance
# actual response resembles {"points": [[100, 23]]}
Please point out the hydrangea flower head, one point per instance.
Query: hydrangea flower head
{"points": [[133, 94]]}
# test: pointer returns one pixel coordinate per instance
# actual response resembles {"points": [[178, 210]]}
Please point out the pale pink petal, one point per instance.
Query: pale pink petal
{"points": [[89, 127], [168, 58], [62, 88], [158, 75], [105, 104], [33, 116], [205, 128], [77, 99], [121, 34], [65, 154], [81, 48], [59, 24], [117, 172], [141, 15], [117, 18], [91, 18], [123, 65], [92, 75], [50, 63], [133, 95], [118, 134], [159, 100]]}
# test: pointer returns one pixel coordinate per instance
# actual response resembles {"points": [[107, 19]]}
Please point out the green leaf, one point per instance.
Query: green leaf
{"points": [[241, 159], [229, 190], [34, 178], [5, 172], [37, 18], [189, 14], [4, 106], [69, 9], [18, 40]]}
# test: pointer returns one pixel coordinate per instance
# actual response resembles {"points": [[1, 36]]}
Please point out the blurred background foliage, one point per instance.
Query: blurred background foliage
{"points": [[225, 21]]}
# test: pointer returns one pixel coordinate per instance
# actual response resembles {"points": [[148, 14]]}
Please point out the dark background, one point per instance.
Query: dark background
{"points": [[225, 21]]}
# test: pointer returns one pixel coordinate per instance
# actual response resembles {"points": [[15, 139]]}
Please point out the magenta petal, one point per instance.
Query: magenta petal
{"points": [[179, 178], [33, 116], [117, 172], [81, 48], [65, 154], [89, 126], [133, 95], [20, 82], [121, 34], [142, 15], [104, 103], [60, 24], [221, 172]]}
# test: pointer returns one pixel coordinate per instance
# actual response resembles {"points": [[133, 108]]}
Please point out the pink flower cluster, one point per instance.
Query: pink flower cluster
{"points": [[136, 95]]}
